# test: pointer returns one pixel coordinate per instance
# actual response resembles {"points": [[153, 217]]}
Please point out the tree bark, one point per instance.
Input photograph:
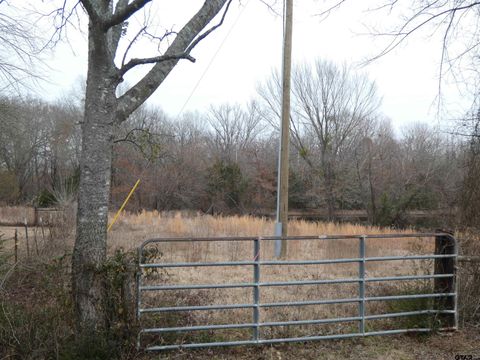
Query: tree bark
{"points": [[94, 190]]}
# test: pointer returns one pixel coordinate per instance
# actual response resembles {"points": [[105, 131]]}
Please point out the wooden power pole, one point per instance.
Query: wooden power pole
{"points": [[281, 226]]}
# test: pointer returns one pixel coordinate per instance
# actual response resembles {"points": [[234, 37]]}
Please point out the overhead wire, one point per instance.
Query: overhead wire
{"points": [[194, 89]]}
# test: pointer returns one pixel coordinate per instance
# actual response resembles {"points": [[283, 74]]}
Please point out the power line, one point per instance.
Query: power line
{"points": [[212, 60]]}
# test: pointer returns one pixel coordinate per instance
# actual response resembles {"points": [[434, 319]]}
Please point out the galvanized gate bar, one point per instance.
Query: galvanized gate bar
{"points": [[417, 257], [199, 286], [296, 303], [291, 340], [310, 282], [292, 283], [408, 313], [256, 286], [294, 262], [413, 277], [193, 264], [311, 302], [199, 328], [195, 308], [404, 297]]}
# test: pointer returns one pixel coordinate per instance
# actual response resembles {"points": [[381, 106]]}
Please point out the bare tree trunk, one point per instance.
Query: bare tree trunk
{"points": [[90, 246], [94, 191], [329, 176], [373, 206]]}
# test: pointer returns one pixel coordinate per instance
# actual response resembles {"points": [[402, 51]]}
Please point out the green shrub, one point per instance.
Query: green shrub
{"points": [[46, 199], [226, 185]]}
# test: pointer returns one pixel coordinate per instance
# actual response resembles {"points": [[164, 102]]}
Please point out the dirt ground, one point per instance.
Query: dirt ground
{"points": [[463, 344]]}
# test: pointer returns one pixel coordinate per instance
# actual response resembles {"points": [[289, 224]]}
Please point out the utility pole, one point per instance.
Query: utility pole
{"points": [[281, 226]]}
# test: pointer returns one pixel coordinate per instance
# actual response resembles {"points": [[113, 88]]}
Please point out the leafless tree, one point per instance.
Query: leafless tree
{"points": [[454, 20], [470, 194], [331, 106], [20, 49], [233, 129], [110, 59], [39, 143]]}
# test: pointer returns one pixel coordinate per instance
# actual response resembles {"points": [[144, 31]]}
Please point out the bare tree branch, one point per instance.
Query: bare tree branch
{"points": [[135, 38], [209, 31], [117, 30], [154, 60], [184, 42], [20, 50], [433, 11], [122, 13], [271, 7], [325, 13], [62, 16]]}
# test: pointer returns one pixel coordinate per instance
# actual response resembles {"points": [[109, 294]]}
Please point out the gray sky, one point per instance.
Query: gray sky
{"points": [[243, 52]]}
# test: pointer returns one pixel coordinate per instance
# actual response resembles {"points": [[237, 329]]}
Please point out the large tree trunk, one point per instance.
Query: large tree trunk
{"points": [[102, 111], [94, 191], [90, 245]]}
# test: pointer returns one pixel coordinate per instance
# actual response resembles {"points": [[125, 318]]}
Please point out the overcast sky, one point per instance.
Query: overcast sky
{"points": [[232, 61]]}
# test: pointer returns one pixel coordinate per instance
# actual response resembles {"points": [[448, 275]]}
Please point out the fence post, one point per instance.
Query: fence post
{"points": [[138, 292], [16, 246], [361, 288], [256, 288], [35, 239], [43, 230], [445, 245], [26, 236], [35, 216]]}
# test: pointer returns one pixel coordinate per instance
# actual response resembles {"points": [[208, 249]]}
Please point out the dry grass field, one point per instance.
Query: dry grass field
{"points": [[132, 229]]}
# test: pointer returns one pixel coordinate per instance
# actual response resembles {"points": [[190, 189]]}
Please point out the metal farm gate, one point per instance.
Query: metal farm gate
{"points": [[159, 334]]}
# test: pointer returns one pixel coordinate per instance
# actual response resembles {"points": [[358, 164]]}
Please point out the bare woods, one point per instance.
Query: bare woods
{"points": [[224, 160]]}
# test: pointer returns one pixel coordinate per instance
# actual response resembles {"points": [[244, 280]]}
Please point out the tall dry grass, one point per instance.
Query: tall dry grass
{"points": [[132, 229]]}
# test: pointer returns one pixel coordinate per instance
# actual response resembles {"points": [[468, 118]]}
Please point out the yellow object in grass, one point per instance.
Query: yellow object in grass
{"points": [[123, 205]]}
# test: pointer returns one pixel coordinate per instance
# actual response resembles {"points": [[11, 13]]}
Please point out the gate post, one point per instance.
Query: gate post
{"points": [[361, 289], [256, 288], [445, 244]]}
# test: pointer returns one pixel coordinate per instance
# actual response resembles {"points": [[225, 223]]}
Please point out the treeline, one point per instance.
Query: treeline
{"points": [[344, 154]]}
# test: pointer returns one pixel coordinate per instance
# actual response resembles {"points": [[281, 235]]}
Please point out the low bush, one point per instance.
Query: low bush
{"points": [[469, 278], [37, 312]]}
